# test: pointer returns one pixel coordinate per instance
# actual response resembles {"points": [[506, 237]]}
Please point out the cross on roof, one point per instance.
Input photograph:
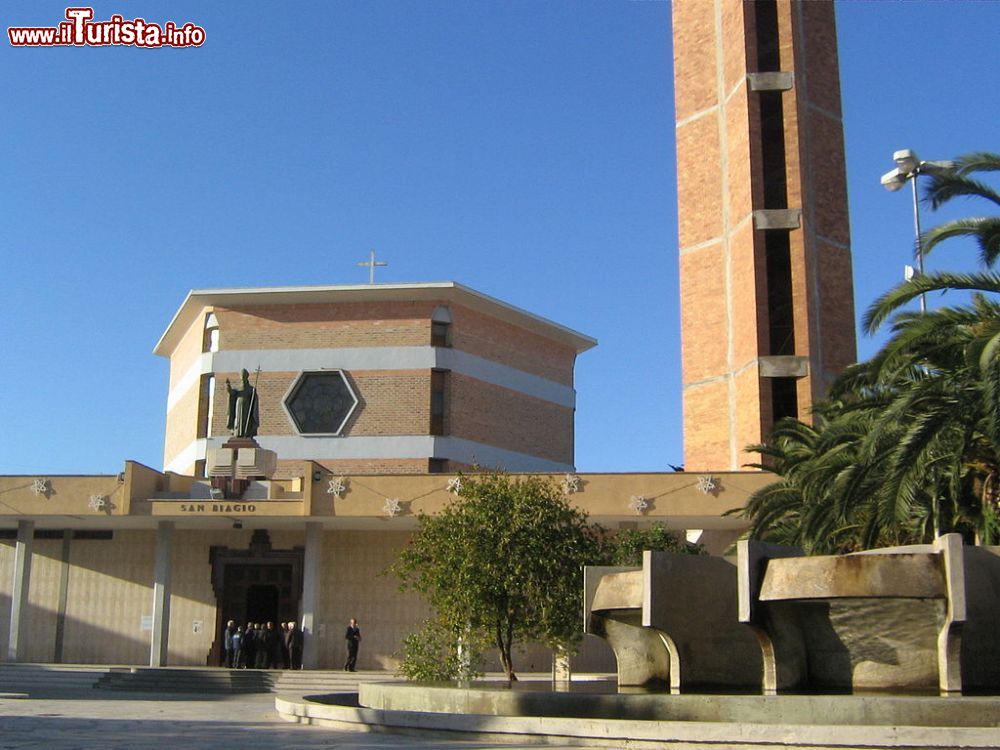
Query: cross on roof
{"points": [[371, 263]]}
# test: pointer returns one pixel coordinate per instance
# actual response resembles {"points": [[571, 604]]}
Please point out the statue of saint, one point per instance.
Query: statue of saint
{"points": [[244, 416]]}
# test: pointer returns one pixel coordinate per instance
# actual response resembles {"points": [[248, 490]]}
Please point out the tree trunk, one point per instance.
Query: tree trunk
{"points": [[986, 503], [504, 647]]}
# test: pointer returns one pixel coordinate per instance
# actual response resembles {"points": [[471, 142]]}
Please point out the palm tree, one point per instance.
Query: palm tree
{"points": [[946, 368], [908, 445], [957, 349], [960, 183], [820, 466]]}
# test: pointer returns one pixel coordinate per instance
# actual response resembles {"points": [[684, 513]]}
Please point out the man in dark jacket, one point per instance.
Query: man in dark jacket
{"points": [[353, 636], [272, 641], [227, 644], [249, 646], [293, 640]]}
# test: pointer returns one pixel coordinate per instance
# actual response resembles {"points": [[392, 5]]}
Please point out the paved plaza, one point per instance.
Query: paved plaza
{"points": [[110, 721]]}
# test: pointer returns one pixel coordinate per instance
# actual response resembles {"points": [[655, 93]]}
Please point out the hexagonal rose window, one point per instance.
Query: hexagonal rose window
{"points": [[321, 402]]}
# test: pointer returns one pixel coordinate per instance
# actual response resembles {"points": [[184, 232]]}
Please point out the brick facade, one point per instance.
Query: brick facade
{"points": [[499, 413], [498, 341], [324, 326], [747, 292], [487, 413]]}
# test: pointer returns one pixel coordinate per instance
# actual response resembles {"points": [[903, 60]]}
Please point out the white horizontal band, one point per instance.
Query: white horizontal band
{"points": [[379, 447], [374, 358]]}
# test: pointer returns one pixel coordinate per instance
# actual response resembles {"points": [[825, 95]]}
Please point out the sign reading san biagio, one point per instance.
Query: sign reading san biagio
{"points": [[227, 508]]}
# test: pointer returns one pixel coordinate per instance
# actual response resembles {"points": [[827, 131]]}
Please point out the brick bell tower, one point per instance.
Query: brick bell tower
{"points": [[767, 303]]}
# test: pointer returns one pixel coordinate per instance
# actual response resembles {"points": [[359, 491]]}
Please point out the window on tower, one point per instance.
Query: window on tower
{"points": [[439, 397], [441, 327], [211, 341]]}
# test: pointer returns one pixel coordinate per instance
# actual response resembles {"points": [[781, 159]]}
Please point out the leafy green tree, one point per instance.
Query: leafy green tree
{"points": [[504, 560], [439, 653], [626, 546]]}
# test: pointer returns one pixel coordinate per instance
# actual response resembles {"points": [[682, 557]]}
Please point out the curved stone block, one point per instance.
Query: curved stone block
{"points": [[911, 618], [673, 622]]}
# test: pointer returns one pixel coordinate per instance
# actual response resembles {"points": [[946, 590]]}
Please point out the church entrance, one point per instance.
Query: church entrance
{"points": [[262, 604], [258, 584]]}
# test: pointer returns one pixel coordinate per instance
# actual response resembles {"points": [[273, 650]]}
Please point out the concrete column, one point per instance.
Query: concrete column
{"points": [[161, 594], [19, 597], [310, 593], [67, 543]]}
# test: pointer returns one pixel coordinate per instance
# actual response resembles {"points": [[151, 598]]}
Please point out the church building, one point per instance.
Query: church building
{"points": [[307, 427], [384, 378], [361, 405]]}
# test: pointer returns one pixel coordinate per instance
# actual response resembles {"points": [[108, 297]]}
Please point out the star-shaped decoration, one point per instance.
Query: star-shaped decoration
{"points": [[638, 504], [570, 484], [707, 483], [454, 485], [97, 503], [393, 507], [40, 487], [337, 487]]}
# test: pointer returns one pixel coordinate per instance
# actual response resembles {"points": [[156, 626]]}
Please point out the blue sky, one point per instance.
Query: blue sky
{"points": [[524, 149]]}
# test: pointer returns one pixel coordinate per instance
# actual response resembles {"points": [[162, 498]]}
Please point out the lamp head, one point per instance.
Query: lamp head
{"points": [[906, 160], [894, 180]]}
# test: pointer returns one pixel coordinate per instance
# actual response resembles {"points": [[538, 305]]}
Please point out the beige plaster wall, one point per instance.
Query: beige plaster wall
{"points": [[110, 588], [353, 586], [39, 634], [65, 495], [673, 496]]}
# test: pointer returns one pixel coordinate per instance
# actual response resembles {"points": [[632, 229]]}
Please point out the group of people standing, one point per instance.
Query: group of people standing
{"points": [[262, 646]]}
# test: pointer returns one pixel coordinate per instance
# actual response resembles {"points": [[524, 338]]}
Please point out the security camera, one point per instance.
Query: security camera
{"points": [[237, 524]]}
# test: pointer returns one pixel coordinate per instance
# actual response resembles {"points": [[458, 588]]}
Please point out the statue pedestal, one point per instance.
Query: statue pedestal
{"points": [[238, 462]]}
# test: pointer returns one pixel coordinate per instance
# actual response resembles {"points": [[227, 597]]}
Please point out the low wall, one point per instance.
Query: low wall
{"points": [[742, 722]]}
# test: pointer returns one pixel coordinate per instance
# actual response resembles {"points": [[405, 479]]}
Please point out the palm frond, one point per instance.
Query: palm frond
{"points": [[985, 230], [902, 294]]}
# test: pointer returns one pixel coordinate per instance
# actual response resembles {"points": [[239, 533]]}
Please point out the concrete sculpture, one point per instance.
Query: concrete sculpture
{"points": [[910, 618]]}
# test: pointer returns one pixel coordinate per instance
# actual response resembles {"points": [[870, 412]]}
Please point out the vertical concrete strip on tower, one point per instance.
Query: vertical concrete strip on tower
{"points": [[767, 306]]}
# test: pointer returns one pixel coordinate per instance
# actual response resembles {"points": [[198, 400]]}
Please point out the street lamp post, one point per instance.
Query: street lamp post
{"points": [[908, 168]]}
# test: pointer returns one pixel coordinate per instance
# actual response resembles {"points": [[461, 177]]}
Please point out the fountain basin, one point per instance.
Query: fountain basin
{"points": [[722, 722]]}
